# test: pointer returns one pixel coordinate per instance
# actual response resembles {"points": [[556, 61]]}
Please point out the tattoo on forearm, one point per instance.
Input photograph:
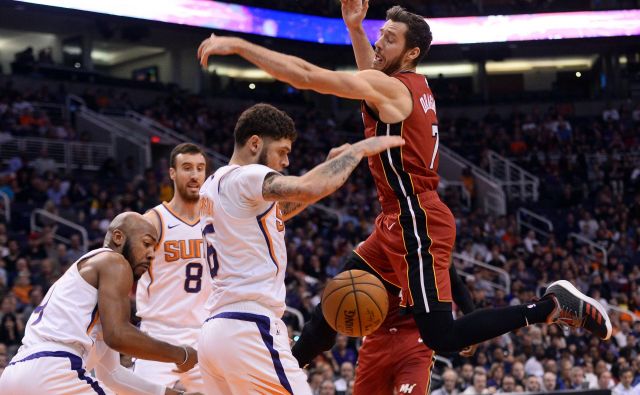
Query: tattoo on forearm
{"points": [[342, 165], [276, 189]]}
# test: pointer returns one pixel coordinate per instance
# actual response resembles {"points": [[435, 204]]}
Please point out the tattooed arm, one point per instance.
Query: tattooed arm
{"points": [[325, 178]]}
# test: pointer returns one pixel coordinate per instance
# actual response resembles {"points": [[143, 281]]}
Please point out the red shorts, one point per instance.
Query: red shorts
{"points": [[391, 359], [411, 247]]}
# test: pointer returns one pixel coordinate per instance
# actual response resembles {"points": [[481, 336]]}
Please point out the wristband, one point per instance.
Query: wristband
{"points": [[186, 357]]}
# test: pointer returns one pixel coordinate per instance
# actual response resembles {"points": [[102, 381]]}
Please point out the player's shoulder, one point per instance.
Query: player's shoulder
{"points": [[108, 261], [246, 173], [154, 215]]}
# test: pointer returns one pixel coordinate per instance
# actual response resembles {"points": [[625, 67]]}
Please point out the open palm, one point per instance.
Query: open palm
{"points": [[354, 11]]}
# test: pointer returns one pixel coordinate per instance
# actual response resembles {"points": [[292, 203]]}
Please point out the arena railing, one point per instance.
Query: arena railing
{"points": [[465, 196], [56, 220], [65, 154], [462, 262], [527, 219], [593, 247], [5, 208], [298, 316], [152, 126], [489, 193], [103, 129], [518, 183]]}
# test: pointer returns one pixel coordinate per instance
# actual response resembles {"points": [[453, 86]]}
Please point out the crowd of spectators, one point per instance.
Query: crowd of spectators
{"points": [[589, 169]]}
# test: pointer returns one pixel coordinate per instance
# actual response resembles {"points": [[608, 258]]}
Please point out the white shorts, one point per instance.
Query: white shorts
{"points": [[163, 372], [48, 373], [244, 353]]}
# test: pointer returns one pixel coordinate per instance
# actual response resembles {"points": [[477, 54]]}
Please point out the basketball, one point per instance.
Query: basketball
{"points": [[355, 303]]}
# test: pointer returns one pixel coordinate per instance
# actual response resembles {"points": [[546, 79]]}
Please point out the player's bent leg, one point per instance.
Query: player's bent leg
{"points": [[51, 373], [373, 370], [442, 333], [317, 336], [413, 371], [257, 358]]}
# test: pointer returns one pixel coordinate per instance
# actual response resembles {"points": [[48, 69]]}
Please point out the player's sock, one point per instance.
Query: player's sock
{"points": [[538, 312]]}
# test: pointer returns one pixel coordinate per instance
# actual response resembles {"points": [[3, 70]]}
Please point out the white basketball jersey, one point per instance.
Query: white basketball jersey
{"points": [[244, 240], [174, 291], [68, 314]]}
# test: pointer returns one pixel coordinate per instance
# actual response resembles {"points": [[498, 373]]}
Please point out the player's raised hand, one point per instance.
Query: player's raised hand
{"points": [[216, 45], [338, 150], [375, 145], [354, 11], [191, 359]]}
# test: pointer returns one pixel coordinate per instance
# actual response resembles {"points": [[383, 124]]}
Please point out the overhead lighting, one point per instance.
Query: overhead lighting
{"points": [[435, 69], [240, 73], [524, 65], [252, 86], [578, 74]]}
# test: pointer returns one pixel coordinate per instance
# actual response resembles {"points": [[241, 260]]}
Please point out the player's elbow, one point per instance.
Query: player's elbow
{"points": [[114, 339]]}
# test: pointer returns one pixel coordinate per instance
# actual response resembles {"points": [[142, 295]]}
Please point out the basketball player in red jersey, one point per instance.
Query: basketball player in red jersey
{"points": [[414, 235]]}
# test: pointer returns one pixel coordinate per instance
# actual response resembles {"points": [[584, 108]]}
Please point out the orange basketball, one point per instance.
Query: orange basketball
{"points": [[355, 303]]}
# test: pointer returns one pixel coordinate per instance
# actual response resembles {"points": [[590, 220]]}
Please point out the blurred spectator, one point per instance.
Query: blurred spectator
{"points": [[532, 384], [549, 381], [624, 387], [347, 372], [479, 385], [449, 382], [342, 352], [327, 388]]}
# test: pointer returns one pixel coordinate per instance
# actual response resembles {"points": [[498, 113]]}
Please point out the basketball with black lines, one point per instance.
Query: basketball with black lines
{"points": [[355, 303]]}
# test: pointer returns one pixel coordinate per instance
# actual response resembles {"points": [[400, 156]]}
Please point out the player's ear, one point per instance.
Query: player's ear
{"points": [[255, 144], [118, 237], [413, 54], [172, 174]]}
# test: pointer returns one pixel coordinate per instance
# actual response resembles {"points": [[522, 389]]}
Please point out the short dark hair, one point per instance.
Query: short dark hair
{"points": [[418, 30], [184, 148], [264, 120]]}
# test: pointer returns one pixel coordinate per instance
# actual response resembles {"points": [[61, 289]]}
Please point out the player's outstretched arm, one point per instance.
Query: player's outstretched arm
{"points": [[327, 177], [115, 279], [291, 209], [121, 380], [377, 88], [353, 13]]}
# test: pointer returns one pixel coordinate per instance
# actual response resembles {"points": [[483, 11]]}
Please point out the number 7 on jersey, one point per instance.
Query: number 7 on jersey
{"points": [[434, 133]]}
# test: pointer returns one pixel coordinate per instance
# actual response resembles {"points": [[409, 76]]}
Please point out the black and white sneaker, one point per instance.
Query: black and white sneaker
{"points": [[575, 309]]}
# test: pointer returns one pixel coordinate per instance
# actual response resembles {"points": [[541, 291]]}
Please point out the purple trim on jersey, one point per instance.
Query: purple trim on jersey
{"points": [[93, 317], [266, 238], [76, 364], [263, 324], [40, 309]]}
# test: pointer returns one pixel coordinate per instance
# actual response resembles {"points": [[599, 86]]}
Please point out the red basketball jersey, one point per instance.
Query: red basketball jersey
{"points": [[413, 168]]}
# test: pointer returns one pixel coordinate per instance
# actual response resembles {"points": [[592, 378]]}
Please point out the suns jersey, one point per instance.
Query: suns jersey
{"points": [[244, 240], [413, 168], [173, 293], [68, 314]]}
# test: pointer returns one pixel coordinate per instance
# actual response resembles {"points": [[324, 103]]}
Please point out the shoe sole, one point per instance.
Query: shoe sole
{"points": [[575, 292]]}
